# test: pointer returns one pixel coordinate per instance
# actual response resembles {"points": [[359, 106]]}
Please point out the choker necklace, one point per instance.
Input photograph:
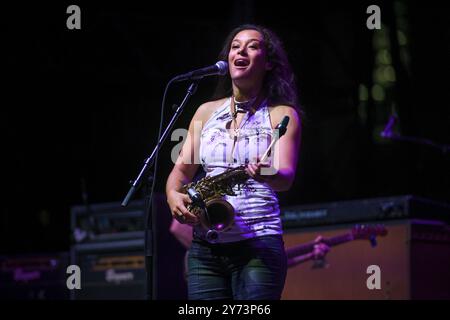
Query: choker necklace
{"points": [[243, 106]]}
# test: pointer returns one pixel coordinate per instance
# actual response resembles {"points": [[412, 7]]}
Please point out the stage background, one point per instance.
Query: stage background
{"points": [[80, 108]]}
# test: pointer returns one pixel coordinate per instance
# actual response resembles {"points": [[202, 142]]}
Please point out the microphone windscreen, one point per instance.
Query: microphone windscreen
{"points": [[223, 67]]}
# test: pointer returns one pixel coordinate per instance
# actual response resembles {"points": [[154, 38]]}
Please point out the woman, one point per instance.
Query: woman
{"points": [[247, 261]]}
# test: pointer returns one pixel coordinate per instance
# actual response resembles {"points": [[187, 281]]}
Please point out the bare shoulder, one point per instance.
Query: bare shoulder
{"points": [[278, 112], [205, 110]]}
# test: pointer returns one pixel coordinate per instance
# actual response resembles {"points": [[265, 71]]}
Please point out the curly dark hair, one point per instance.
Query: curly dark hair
{"points": [[279, 83]]}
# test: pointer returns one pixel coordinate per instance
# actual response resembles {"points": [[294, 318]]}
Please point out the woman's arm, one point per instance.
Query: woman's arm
{"points": [[186, 166], [285, 152], [183, 171]]}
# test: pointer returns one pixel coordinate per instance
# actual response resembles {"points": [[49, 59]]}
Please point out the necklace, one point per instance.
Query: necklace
{"points": [[240, 107], [243, 106]]}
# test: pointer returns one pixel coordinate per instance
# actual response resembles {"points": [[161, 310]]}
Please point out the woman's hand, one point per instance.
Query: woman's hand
{"points": [[177, 203], [254, 171]]}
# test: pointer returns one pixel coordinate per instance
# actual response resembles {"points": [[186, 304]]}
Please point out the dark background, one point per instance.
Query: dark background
{"points": [[81, 108]]}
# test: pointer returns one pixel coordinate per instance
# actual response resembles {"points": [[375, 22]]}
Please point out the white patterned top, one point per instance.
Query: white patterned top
{"points": [[256, 204]]}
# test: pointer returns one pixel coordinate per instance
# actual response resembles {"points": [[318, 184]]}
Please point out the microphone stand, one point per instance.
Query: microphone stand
{"points": [[144, 175]]}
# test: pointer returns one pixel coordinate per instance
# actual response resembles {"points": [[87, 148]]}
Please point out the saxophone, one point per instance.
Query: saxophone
{"points": [[208, 203]]}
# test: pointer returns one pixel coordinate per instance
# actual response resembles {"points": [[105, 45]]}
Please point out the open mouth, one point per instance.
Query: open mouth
{"points": [[241, 62]]}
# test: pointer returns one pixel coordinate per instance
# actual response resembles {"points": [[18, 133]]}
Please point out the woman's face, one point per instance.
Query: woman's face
{"points": [[247, 58]]}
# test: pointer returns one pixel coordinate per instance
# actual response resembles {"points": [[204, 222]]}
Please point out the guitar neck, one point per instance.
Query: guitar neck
{"points": [[308, 247]]}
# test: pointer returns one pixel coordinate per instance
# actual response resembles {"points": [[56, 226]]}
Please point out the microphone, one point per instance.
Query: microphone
{"points": [[220, 68], [282, 126], [387, 132]]}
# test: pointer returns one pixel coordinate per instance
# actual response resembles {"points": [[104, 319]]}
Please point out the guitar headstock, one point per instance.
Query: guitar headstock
{"points": [[368, 231]]}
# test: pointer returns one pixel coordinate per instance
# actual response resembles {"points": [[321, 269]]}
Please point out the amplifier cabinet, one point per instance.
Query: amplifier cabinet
{"points": [[111, 270], [40, 276], [414, 262]]}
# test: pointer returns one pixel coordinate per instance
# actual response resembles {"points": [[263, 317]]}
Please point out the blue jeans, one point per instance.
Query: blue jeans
{"points": [[253, 269]]}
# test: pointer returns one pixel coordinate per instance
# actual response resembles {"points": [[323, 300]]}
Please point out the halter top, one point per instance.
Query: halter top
{"points": [[256, 206]]}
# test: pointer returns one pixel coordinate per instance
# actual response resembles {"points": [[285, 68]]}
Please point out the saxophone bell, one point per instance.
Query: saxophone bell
{"points": [[217, 215]]}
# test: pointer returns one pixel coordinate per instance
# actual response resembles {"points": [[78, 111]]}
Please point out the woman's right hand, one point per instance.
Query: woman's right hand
{"points": [[178, 203]]}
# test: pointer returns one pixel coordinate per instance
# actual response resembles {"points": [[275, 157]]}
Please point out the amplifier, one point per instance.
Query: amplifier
{"points": [[400, 207], [111, 257], [413, 260], [110, 270], [34, 276], [107, 222]]}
